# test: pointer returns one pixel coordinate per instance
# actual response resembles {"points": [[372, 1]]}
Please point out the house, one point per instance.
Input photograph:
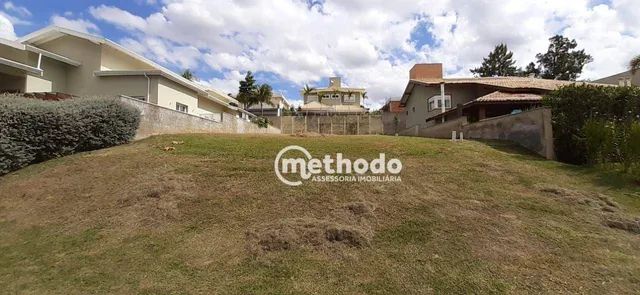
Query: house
{"points": [[626, 78], [278, 105], [334, 99], [60, 60], [476, 98], [394, 116]]}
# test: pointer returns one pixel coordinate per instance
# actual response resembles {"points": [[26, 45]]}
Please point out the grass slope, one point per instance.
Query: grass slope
{"points": [[467, 218]]}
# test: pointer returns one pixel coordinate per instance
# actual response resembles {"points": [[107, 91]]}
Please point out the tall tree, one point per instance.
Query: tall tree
{"points": [[247, 90], [561, 61], [188, 74], [530, 70], [499, 63], [634, 64], [263, 96]]}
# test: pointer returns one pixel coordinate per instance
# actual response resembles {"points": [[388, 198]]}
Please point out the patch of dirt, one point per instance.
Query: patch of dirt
{"points": [[347, 225], [308, 134], [597, 201], [627, 224]]}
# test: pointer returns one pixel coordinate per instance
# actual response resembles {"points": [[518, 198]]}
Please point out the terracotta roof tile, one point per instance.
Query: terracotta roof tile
{"points": [[506, 96], [506, 82]]}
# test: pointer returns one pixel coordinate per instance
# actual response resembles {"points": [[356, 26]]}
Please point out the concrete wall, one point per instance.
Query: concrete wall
{"points": [[161, 120], [531, 129], [389, 126]]}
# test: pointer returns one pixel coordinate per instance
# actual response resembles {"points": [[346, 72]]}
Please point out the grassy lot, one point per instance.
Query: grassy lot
{"points": [[210, 217]]}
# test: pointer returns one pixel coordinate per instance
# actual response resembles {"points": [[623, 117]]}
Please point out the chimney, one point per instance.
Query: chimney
{"points": [[426, 71], [334, 82]]}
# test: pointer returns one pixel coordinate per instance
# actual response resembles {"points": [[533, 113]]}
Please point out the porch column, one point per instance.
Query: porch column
{"points": [[442, 99]]}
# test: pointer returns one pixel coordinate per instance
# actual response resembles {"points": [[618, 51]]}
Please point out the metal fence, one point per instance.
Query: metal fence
{"points": [[332, 124]]}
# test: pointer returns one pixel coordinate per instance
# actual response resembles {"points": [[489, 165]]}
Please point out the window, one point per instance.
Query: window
{"points": [[182, 108], [413, 109], [435, 103], [350, 98], [327, 96]]}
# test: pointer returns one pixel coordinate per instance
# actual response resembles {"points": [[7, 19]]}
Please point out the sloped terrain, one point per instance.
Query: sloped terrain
{"points": [[206, 214]]}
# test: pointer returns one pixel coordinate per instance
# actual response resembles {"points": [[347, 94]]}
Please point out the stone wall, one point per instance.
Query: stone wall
{"points": [[156, 120], [531, 129]]}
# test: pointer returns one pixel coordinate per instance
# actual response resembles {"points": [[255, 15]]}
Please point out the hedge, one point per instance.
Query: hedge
{"points": [[33, 130], [593, 122]]}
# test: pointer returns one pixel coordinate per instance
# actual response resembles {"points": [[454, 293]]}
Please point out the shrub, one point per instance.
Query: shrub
{"points": [[33, 130], [262, 122], [572, 106], [599, 139]]}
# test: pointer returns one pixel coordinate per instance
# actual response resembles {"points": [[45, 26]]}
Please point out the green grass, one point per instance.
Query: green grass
{"points": [[466, 218]]}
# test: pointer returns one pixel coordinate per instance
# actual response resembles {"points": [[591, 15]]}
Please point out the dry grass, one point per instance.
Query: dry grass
{"points": [[209, 216]]}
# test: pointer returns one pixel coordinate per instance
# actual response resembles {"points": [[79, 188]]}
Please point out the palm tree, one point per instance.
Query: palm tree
{"points": [[307, 91], [263, 95], [634, 64]]}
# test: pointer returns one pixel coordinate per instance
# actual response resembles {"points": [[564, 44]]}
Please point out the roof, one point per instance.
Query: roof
{"points": [[506, 96], [507, 83], [328, 89], [54, 56], [53, 32]]}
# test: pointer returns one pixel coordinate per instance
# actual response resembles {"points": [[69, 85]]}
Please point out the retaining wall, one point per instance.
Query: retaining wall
{"points": [[155, 119]]}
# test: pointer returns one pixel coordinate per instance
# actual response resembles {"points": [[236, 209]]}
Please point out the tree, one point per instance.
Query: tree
{"points": [[499, 63], [263, 95], [247, 90], [188, 74], [530, 70], [561, 61], [307, 90], [634, 64]]}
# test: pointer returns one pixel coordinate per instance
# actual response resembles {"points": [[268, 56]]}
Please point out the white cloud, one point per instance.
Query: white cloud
{"points": [[6, 29], [20, 10], [368, 42], [228, 84], [80, 25]]}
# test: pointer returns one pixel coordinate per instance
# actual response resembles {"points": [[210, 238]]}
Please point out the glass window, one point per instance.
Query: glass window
{"points": [[435, 102], [182, 108]]}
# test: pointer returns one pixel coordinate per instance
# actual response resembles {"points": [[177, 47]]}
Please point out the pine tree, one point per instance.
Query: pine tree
{"points": [[499, 63], [247, 90]]}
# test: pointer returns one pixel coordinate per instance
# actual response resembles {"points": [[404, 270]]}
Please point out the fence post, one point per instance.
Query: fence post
{"points": [[293, 124], [305, 123], [318, 124], [369, 124], [344, 132], [357, 124], [331, 124]]}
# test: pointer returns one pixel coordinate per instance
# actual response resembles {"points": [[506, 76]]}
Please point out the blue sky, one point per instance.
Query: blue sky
{"points": [[370, 43]]}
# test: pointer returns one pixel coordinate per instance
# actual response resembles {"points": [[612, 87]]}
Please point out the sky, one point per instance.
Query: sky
{"points": [[369, 43]]}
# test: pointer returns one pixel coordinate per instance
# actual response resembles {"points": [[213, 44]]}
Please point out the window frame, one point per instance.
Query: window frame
{"points": [[180, 106], [436, 102]]}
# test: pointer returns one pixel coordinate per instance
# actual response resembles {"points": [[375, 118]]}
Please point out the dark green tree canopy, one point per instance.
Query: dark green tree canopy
{"points": [[634, 64], [530, 70], [561, 61], [188, 74], [247, 90], [499, 63]]}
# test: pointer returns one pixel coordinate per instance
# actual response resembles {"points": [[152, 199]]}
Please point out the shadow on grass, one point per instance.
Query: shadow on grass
{"points": [[611, 177]]}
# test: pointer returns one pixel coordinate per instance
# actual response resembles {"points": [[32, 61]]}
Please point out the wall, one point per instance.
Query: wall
{"points": [[531, 129], [388, 125], [460, 94], [11, 83], [112, 59], [170, 92], [160, 120]]}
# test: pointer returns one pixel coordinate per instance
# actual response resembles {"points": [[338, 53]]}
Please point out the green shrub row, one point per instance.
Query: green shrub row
{"points": [[33, 130], [595, 124]]}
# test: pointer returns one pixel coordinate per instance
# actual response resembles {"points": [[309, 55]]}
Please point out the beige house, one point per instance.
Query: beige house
{"points": [[334, 99], [60, 60], [475, 98], [625, 78], [278, 104]]}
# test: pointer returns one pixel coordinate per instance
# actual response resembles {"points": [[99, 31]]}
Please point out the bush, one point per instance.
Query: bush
{"points": [[575, 105], [33, 130], [262, 122]]}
